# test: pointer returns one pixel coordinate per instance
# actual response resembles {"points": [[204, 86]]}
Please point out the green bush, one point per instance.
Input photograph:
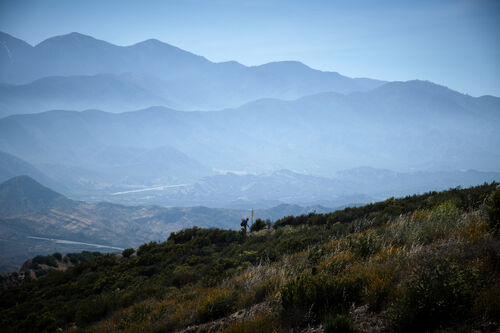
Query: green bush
{"points": [[45, 260], [128, 252], [318, 294], [94, 309], [265, 289], [442, 219], [364, 246], [259, 224], [138, 314], [494, 210], [446, 211], [338, 324], [84, 256], [284, 221], [439, 292], [217, 306]]}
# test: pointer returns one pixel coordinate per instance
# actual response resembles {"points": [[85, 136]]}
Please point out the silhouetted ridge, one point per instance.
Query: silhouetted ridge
{"points": [[188, 80]]}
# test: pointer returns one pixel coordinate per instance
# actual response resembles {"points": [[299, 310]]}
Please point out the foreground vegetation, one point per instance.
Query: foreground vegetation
{"points": [[412, 264]]}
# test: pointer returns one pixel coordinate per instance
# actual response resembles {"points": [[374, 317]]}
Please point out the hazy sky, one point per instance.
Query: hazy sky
{"points": [[455, 43]]}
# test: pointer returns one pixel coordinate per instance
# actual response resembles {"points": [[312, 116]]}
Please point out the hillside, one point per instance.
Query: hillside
{"points": [[22, 195], [155, 73], [419, 263], [35, 220]]}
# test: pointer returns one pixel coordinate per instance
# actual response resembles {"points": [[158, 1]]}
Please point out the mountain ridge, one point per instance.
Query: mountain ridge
{"points": [[381, 129], [189, 80]]}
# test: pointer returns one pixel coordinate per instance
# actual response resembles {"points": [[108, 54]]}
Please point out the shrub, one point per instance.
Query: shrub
{"points": [[365, 245], [487, 304], [318, 294], [425, 226], [128, 252], [259, 224], [58, 256], [440, 291], [338, 324], [84, 256], [441, 220], [473, 231], [45, 260], [337, 262], [138, 314], [446, 211], [264, 289], [378, 282], [217, 304], [284, 221], [94, 309], [494, 210]]}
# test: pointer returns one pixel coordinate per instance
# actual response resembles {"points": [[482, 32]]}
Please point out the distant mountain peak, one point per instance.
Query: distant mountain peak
{"points": [[421, 85], [152, 41], [75, 34], [156, 43], [27, 186], [72, 38], [287, 64]]}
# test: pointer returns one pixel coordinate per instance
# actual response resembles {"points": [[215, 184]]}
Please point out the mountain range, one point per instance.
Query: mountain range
{"points": [[402, 126], [123, 78]]}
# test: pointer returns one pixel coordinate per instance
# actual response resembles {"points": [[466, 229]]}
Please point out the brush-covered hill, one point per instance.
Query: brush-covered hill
{"points": [[414, 264], [35, 220]]}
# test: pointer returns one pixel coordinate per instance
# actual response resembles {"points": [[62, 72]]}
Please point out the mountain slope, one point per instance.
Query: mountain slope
{"points": [[22, 195], [35, 220], [376, 268], [182, 79]]}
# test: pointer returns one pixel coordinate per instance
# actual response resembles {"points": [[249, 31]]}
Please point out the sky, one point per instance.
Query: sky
{"points": [[454, 43]]}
